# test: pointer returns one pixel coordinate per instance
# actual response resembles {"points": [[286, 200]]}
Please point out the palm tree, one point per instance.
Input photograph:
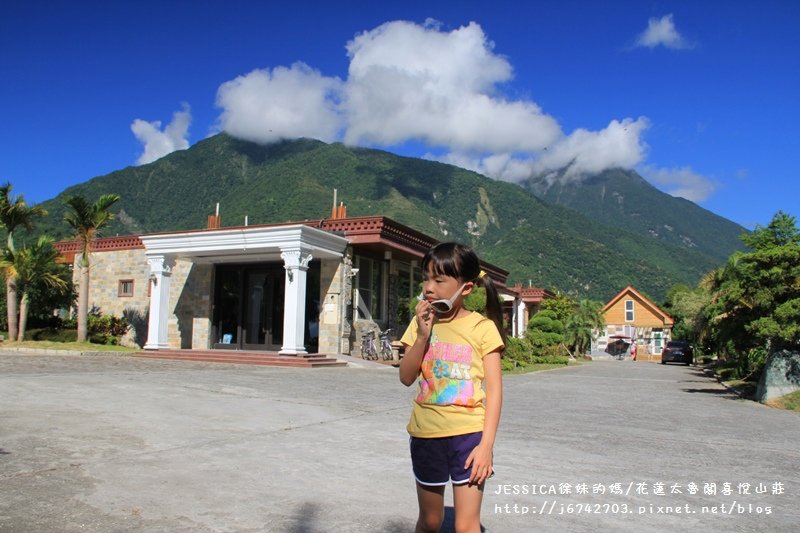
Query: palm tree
{"points": [[14, 213], [86, 221], [580, 326], [33, 265]]}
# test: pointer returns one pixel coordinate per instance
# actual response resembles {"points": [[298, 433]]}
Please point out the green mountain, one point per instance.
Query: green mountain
{"points": [[623, 199], [549, 245]]}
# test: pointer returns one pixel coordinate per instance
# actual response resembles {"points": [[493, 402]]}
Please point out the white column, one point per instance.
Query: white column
{"points": [[160, 275], [519, 312], [295, 262]]}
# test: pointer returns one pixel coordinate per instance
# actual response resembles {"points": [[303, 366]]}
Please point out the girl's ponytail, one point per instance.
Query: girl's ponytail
{"points": [[494, 309]]}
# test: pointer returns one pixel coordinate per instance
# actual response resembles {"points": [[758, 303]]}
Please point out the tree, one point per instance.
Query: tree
{"points": [[14, 213], [781, 231], [755, 298], [544, 330], [581, 325], [561, 305], [35, 266], [685, 305], [87, 220]]}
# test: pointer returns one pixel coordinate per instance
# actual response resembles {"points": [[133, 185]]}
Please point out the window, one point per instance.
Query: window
{"points": [[407, 285], [125, 288], [628, 310], [370, 288], [403, 292]]}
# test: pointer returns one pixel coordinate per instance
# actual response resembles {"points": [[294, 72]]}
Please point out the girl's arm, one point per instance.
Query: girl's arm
{"points": [[481, 456], [412, 359]]}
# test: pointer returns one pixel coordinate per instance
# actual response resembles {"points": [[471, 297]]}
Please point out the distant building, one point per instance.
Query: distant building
{"points": [[634, 324], [294, 288], [529, 301]]}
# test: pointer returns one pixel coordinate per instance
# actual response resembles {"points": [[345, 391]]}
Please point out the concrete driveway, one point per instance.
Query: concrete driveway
{"points": [[113, 443]]}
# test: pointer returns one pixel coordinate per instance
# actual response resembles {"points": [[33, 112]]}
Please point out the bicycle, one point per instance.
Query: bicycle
{"points": [[386, 346], [368, 350]]}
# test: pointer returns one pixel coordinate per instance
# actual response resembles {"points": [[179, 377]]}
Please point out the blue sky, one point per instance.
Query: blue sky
{"points": [[702, 98]]}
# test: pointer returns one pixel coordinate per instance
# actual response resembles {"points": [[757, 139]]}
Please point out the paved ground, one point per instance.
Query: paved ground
{"points": [[110, 443]]}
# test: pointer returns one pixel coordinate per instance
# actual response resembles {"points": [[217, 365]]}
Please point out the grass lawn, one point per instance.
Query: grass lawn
{"points": [[535, 367], [78, 346], [61, 339], [790, 402]]}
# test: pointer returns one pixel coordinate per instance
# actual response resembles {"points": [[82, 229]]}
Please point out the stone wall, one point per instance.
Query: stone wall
{"points": [[331, 289], [189, 323], [191, 286], [106, 271]]}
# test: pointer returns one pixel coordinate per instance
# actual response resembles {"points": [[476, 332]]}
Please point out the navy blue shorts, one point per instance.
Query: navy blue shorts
{"points": [[439, 460]]}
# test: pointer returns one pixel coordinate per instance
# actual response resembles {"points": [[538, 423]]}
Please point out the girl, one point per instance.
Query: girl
{"points": [[455, 353]]}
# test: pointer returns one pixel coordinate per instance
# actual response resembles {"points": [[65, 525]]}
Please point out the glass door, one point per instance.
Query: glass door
{"points": [[248, 308], [263, 325], [227, 309]]}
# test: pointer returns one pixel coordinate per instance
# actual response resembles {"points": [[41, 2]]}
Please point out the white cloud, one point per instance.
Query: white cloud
{"points": [[411, 82], [503, 166], [682, 182], [408, 81], [265, 106], [159, 143], [662, 32], [586, 152], [569, 158]]}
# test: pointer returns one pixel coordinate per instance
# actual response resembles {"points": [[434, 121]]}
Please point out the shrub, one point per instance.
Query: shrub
{"points": [[756, 359], [508, 364], [52, 334], [544, 330], [476, 301], [550, 359], [106, 329], [551, 355], [518, 350]]}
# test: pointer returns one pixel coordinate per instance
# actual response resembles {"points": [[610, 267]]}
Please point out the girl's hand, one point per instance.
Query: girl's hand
{"points": [[425, 316], [481, 460], [411, 362]]}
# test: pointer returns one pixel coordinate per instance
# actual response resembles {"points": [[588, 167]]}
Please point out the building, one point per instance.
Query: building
{"points": [[529, 302], [634, 326], [294, 288]]}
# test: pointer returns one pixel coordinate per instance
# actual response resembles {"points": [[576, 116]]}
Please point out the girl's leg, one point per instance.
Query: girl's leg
{"points": [[467, 502], [431, 508]]}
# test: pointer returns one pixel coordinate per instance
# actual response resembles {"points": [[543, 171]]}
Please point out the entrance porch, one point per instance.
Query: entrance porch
{"points": [[261, 287]]}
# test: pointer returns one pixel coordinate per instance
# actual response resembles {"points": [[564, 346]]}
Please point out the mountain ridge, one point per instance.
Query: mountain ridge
{"points": [[622, 198], [551, 245]]}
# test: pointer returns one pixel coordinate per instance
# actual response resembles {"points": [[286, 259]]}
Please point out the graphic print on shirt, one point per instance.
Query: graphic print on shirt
{"points": [[446, 378]]}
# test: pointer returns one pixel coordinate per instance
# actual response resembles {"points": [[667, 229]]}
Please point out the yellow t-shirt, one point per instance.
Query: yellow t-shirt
{"points": [[450, 397]]}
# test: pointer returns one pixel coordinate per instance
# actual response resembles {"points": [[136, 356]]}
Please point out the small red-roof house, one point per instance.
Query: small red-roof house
{"points": [[634, 320], [528, 302]]}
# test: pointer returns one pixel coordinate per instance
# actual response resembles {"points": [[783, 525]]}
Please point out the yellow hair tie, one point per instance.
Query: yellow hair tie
{"points": [[482, 274]]}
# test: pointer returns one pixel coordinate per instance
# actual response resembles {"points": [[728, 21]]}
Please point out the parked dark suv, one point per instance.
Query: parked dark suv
{"points": [[677, 352]]}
